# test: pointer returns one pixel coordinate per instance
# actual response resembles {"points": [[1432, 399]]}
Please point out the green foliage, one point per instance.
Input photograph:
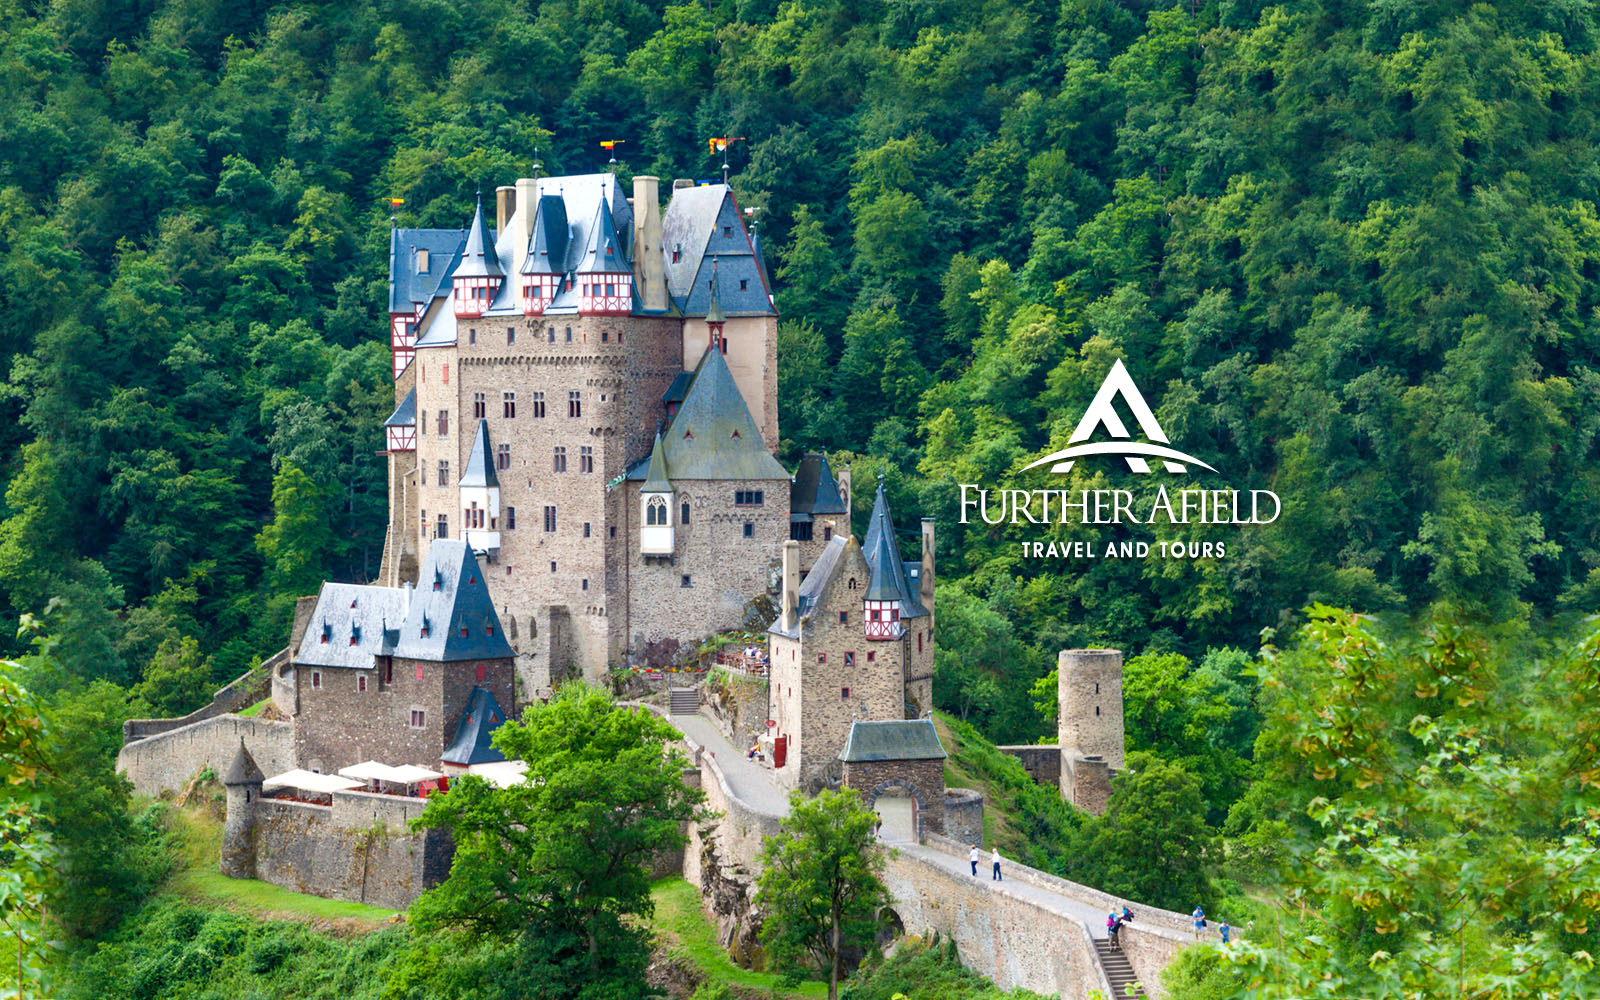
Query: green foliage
{"points": [[1439, 794], [927, 973], [26, 847], [178, 680], [820, 884], [554, 866], [1203, 973]]}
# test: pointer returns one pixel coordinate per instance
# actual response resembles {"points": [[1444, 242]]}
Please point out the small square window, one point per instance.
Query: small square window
{"points": [[849, 659], [419, 719], [871, 657], [844, 692], [685, 582], [316, 679], [822, 657], [744, 284], [749, 530], [844, 618]]}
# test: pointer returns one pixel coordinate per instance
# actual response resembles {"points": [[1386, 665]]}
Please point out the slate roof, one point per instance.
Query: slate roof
{"points": [[479, 258], [678, 389], [712, 436], [602, 253], [547, 241], [409, 287], [703, 224], [814, 489], [897, 739], [889, 581], [404, 415], [350, 609], [655, 476], [479, 720], [480, 463], [451, 598], [243, 770], [815, 581]]}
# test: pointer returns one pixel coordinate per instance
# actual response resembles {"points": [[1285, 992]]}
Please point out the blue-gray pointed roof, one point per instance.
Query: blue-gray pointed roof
{"points": [[603, 252], [678, 389], [243, 769], [712, 436], [478, 257], [346, 628], [815, 490], [889, 581], [892, 739], [547, 242], [479, 720], [404, 415], [452, 604], [655, 476], [410, 284], [480, 463], [702, 223]]}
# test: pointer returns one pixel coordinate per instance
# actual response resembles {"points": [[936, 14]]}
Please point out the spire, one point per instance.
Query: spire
{"points": [[714, 312], [655, 476], [883, 556], [478, 258], [480, 463], [243, 770]]}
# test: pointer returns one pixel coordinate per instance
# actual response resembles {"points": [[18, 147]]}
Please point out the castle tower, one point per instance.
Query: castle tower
{"points": [[1089, 724], [476, 280], [655, 497], [243, 783]]}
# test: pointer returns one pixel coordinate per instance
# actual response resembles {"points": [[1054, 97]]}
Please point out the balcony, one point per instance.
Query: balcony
{"points": [[880, 631]]}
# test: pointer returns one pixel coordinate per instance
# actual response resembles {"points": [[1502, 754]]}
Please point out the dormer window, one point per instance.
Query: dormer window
{"points": [[463, 631], [438, 580], [355, 634], [422, 261], [327, 633]]}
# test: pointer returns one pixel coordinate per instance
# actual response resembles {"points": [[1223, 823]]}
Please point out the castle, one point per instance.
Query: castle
{"points": [[586, 395]]}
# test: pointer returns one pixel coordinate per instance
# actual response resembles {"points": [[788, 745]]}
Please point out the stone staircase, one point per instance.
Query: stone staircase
{"points": [[684, 701], [1118, 972]]}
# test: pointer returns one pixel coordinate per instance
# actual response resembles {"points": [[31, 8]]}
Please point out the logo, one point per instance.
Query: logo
{"points": [[1102, 413]]}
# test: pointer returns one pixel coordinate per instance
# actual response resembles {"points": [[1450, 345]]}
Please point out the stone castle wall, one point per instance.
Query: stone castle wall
{"points": [[1042, 761], [166, 762], [923, 779], [241, 692], [963, 815], [338, 852], [737, 704]]}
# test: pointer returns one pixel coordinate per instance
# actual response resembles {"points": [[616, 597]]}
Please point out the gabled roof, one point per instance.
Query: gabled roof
{"points": [[704, 222], [480, 463], [346, 611], [712, 436], [815, 490], [452, 601], [243, 769], [479, 720], [409, 286], [547, 243], [602, 253], [679, 388], [478, 257], [896, 739], [655, 476], [404, 415], [840, 555], [883, 555]]}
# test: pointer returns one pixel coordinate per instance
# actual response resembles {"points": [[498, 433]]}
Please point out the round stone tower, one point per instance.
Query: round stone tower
{"points": [[243, 782], [1089, 692]]}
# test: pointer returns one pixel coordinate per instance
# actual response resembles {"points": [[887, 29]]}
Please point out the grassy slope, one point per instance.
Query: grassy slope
{"points": [[685, 933]]}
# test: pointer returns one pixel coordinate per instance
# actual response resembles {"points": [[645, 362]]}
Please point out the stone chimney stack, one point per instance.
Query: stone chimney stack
{"points": [[789, 614], [925, 596], [649, 267], [505, 206], [525, 201], [843, 479]]}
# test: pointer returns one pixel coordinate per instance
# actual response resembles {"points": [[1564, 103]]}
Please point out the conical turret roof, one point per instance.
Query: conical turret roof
{"points": [[478, 257], [655, 476], [480, 464], [243, 770], [889, 581], [602, 254], [547, 243]]}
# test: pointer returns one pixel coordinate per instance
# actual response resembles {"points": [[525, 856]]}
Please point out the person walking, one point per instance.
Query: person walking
{"points": [[972, 856], [1223, 929], [1113, 926], [1199, 921], [995, 857]]}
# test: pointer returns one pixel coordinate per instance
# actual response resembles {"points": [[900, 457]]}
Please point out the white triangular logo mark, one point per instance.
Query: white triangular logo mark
{"points": [[1102, 413]]}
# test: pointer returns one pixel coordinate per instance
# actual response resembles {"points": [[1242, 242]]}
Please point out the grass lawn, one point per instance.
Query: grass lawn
{"points": [[197, 879], [255, 710], [686, 933]]}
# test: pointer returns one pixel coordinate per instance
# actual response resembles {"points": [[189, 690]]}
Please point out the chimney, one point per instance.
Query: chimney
{"points": [[505, 205], [682, 182], [925, 597], [791, 586], [649, 266], [526, 201], [843, 479]]}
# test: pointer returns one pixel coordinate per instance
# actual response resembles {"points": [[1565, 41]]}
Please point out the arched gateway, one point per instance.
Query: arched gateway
{"points": [[899, 754]]}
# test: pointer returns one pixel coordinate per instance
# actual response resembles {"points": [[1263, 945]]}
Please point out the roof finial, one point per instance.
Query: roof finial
{"points": [[537, 166]]}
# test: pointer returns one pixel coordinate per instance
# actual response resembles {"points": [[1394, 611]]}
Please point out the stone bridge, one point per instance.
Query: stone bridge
{"points": [[1031, 929]]}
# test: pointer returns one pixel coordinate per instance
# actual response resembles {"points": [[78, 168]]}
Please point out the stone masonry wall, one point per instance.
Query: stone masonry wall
{"points": [[963, 815], [166, 762], [924, 778], [303, 848], [737, 704], [1041, 761]]}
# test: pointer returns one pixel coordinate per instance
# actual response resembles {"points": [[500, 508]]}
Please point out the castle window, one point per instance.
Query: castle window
{"points": [[872, 657], [419, 719], [585, 459], [844, 618], [472, 334], [422, 261], [585, 583], [569, 329], [849, 659], [446, 375], [538, 404], [419, 666], [800, 531], [822, 657], [463, 631], [422, 425], [744, 284], [511, 335], [327, 633], [444, 423], [844, 692], [852, 583], [574, 403], [561, 458], [686, 582], [480, 409], [552, 565], [388, 670], [827, 533], [442, 529], [1096, 687], [361, 683], [552, 335], [685, 518], [749, 530], [610, 288], [422, 472], [749, 498], [511, 518], [444, 472], [613, 531], [509, 402], [605, 335], [619, 336], [1097, 710], [656, 512], [482, 672], [316, 679], [549, 518], [355, 636], [586, 529], [502, 456], [919, 642]]}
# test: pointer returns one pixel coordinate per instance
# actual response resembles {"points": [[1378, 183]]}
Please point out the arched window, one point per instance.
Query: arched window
{"points": [[656, 512]]}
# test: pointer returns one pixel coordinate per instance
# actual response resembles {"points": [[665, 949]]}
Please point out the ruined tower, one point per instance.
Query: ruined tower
{"points": [[243, 781], [1089, 724]]}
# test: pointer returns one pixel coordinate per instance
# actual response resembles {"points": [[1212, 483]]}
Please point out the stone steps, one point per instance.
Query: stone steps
{"points": [[684, 701], [1118, 972]]}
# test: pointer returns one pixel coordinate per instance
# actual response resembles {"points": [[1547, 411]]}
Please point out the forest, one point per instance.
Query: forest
{"points": [[1347, 248]]}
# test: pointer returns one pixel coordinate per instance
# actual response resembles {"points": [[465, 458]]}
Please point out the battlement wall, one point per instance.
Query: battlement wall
{"points": [[305, 848], [166, 761]]}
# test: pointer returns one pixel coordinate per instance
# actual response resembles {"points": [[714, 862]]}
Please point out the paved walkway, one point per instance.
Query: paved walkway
{"points": [[750, 781], [1021, 890]]}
